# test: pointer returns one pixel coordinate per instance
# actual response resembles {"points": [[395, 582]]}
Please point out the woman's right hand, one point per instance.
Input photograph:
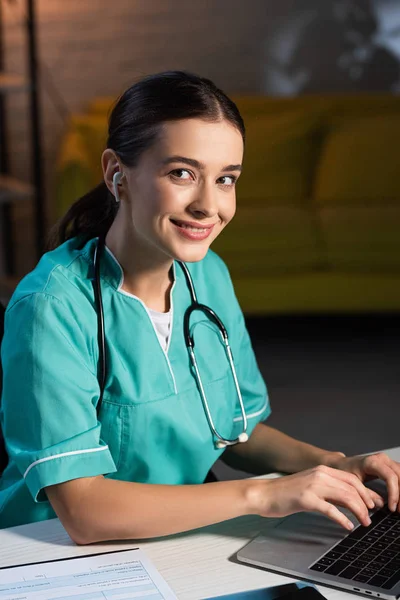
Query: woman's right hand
{"points": [[320, 489]]}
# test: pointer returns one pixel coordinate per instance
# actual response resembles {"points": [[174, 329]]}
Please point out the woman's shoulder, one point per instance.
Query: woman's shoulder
{"points": [[63, 274]]}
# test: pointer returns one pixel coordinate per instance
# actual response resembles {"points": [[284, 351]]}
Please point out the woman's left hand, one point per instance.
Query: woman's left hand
{"points": [[375, 466]]}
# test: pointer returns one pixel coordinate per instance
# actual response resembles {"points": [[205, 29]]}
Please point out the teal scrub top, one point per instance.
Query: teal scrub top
{"points": [[152, 427]]}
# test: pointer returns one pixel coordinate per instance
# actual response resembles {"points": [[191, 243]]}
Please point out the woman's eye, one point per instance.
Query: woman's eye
{"points": [[184, 175], [179, 172], [232, 178]]}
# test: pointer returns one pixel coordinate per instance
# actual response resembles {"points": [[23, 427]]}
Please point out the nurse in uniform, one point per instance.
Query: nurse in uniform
{"points": [[128, 370]]}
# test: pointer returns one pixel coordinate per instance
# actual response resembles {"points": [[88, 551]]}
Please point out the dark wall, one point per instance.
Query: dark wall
{"points": [[332, 46]]}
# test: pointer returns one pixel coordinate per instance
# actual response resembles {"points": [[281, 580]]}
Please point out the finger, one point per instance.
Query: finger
{"points": [[354, 495], [330, 511], [396, 467], [347, 497], [377, 498], [378, 465], [349, 478]]}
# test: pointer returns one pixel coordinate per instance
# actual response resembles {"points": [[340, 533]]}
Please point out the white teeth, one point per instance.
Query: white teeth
{"points": [[192, 228]]}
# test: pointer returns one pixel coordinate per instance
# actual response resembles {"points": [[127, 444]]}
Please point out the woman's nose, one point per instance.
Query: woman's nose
{"points": [[205, 203]]}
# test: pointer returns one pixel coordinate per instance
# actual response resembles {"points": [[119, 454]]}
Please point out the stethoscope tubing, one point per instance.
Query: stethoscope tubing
{"points": [[220, 441]]}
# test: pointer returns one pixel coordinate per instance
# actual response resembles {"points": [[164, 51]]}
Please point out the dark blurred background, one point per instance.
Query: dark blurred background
{"points": [[314, 250]]}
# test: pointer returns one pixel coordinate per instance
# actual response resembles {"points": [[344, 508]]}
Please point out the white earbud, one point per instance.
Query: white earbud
{"points": [[116, 180], [243, 437]]}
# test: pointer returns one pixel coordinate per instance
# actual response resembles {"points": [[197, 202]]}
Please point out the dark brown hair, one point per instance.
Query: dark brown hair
{"points": [[133, 127]]}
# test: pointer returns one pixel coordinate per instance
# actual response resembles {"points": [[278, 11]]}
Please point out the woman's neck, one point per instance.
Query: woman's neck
{"points": [[146, 275]]}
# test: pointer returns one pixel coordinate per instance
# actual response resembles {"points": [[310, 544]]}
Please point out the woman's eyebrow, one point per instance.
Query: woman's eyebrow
{"points": [[196, 164]]}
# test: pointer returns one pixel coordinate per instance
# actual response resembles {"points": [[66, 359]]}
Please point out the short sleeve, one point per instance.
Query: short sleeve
{"points": [[251, 383], [50, 391]]}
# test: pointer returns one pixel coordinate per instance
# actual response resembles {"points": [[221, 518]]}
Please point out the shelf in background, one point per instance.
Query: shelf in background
{"points": [[14, 189], [9, 82]]}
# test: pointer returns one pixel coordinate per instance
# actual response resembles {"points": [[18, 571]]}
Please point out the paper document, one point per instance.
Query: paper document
{"points": [[112, 576]]}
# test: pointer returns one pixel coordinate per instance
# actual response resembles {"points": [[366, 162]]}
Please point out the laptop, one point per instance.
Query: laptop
{"points": [[310, 546]]}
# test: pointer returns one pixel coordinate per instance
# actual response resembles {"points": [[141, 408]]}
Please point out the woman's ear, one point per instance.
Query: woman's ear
{"points": [[112, 171]]}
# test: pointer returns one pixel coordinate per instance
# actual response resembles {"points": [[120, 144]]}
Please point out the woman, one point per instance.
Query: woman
{"points": [[128, 461]]}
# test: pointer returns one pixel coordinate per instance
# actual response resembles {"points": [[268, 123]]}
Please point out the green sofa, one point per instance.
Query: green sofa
{"points": [[318, 215]]}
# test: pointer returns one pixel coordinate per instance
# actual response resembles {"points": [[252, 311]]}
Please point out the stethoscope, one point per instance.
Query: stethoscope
{"points": [[219, 440]]}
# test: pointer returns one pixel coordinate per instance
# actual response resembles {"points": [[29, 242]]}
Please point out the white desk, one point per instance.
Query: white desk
{"points": [[196, 565]]}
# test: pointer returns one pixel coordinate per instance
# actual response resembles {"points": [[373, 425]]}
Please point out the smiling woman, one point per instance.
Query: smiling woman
{"points": [[180, 191], [119, 415]]}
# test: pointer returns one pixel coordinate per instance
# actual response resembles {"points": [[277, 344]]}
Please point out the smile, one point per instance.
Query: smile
{"points": [[192, 231]]}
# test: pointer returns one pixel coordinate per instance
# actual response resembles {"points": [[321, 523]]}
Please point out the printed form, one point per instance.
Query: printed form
{"points": [[119, 575]]}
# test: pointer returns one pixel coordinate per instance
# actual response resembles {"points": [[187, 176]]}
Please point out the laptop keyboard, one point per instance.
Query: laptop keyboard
{"points": [[368, 554]]}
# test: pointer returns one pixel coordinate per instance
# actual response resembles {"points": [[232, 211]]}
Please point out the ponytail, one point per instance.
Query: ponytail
{"points": [[89, 217]]}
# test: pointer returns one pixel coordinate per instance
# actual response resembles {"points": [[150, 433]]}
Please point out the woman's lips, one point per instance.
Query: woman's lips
{"points": [[192, 230]]}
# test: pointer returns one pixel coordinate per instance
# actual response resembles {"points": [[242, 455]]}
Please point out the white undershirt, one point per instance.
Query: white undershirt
{"points": [[162, 324]]}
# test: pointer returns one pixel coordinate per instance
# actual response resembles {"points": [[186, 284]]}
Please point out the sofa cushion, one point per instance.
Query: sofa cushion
{"points": [[360, 160], [363, 237], [280, 157], [267, 240], [357, 188]]}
